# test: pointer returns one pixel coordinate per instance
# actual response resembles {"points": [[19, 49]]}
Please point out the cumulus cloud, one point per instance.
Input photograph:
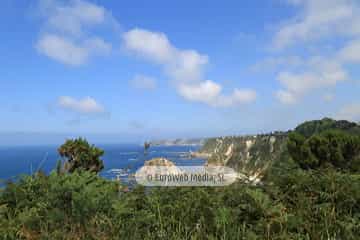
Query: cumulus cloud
{"points": [[68, 37], [318, 19], [184, 66], [71, 16], [286, 97], [143, 82], [350, 112], [205, 91], [61, 49], [209, 92], [87, 105], [67, 51], [154, 46], [67, 34], [315, 23], [321, 73]]}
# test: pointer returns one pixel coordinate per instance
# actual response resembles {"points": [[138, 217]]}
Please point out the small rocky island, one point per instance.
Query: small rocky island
{"points": [[159, 162], [159, 166]]}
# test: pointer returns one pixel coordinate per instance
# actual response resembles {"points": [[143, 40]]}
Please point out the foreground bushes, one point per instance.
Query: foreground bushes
{"points": [[55, 205], [298, 205]]}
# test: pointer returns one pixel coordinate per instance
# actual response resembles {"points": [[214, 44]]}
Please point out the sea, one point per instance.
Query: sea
{"points": [[120, 160]]}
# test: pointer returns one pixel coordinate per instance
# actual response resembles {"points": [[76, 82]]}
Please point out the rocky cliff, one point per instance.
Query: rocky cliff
{"points": [[252, 156], [249, 155]]}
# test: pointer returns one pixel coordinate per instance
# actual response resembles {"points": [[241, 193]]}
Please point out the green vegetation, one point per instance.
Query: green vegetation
{"points": [[333, 148], [66, 206], [318, 126], [80, 155], [310, 194]]}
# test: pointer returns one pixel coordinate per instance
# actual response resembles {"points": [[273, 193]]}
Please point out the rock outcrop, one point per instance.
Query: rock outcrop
{"points": [[159, 162], [160, 166], [248, 155], [259, 155]]}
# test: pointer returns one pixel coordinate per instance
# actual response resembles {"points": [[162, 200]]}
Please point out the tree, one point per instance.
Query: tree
{"points": [[80, 155], [334, 148]]}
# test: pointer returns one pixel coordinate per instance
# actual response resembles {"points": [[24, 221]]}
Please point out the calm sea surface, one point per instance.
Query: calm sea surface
{"points": [[119, 160]]}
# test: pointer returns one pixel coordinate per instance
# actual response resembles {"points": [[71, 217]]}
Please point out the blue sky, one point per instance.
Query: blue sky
{"points": [[134, 70]]}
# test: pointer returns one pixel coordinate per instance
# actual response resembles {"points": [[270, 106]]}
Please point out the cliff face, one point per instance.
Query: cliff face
{"points": [[249, 155]]}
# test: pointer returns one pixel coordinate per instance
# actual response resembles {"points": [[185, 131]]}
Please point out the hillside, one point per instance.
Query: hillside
{"points": [[310, 128], [254, 155], [250, 155]]}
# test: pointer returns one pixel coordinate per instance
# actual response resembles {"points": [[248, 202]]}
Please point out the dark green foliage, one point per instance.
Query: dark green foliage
{"points": [[80, 155], [301, 205], [310, 128], [322, 204], [56, 206], [331, 148]]}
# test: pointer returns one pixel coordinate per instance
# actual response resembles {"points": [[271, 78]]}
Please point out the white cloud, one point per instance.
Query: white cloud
{"points": [[85, 105], [244, 95], [318, 19], [182, 65], [273, 63], [67, 37], [61, 49], [143, 82], [286, 97], [67, 31], [205, 91], [321, 73], [97, 46], [72, 16], [151, 45], [68, 52], [350, 112], [239, 96], [209, 92], [185, 67]]}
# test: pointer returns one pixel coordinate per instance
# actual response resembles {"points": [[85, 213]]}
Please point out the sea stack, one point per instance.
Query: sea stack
{"points": [[159, 162], [160, 166]]}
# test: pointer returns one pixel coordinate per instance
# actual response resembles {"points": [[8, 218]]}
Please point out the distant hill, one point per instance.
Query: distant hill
{"points": [[317, 126], [178, 142]]}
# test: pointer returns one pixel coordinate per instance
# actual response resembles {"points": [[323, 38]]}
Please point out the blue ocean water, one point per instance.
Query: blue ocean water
{"points": [[119, 160]]}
